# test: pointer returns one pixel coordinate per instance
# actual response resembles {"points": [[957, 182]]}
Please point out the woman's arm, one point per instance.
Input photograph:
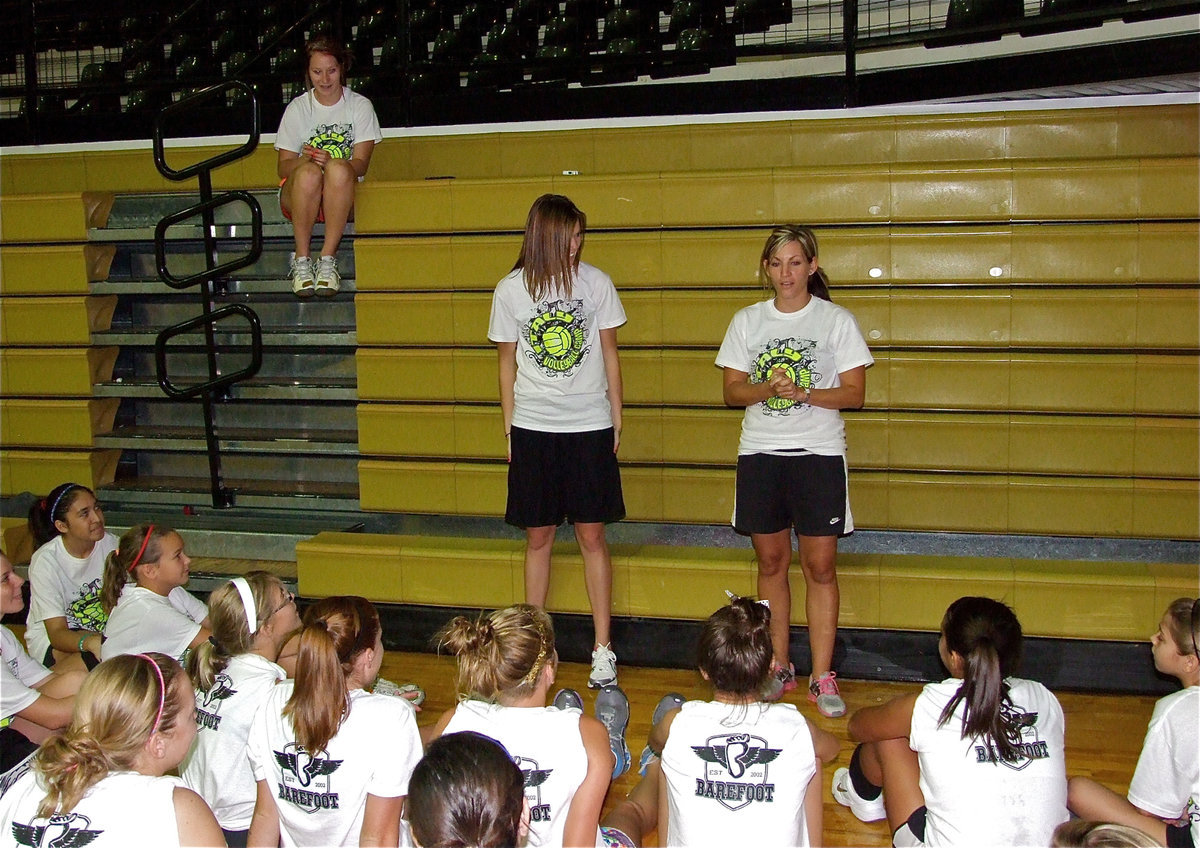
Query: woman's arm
{"points": [[48, 712], [892, 720], [201, 635], [739, 391], [612, 370], [360, 159], [429, 733], [814, 807], [583, 816], [195, 821], [849, 395], [507, 354], [381, 821], [63, 638], [825, 744], [264, 826], [286, 162]]}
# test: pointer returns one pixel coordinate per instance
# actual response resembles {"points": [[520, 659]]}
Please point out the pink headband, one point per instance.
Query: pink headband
{"points": [[142, 549], [162, 691]]}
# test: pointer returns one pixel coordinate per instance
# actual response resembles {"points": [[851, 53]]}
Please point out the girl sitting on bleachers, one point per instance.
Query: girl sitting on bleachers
{"points": [[148, 608], [1164, 797]]}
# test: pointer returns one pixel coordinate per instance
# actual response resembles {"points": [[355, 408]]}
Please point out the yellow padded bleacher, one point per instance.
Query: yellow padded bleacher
{"points": [[1104, 600]]}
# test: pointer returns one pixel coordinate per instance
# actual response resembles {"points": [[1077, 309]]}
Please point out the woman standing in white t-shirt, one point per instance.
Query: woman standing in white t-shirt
{"points": [[325, 142], [976, 759], [554, 322], [153, 612], [66, 620], [233, 672], [793, 362]]}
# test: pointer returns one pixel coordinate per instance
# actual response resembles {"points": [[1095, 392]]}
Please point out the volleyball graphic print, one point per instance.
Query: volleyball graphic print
{"points": [[557, 337], [794, 357], [336, 139]]}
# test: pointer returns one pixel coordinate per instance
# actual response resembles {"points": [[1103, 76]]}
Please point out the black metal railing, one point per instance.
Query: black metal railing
{"points": [[212, 280]]}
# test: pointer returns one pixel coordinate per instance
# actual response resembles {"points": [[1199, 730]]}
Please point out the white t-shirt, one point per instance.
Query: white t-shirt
{"points": [[736, 775], [974, 798], [62, 585], [321, 798], [218, 767], [124, 809], [334, 129], [546, 745], [561, 384], [146, 621], [814, 346], [1167, 779], [19, 673]]}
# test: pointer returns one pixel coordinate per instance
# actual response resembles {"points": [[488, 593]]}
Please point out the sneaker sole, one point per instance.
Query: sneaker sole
{"points": [[668, 702], [612, 709], [326, 291], [304, 291], [600, 684], [570, 699], [864, 811]]}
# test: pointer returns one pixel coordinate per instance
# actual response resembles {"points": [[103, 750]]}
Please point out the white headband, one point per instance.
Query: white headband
{"points": [[243, 588]]}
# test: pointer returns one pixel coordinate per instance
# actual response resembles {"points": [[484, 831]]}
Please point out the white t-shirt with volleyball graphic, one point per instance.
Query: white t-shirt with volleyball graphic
{"points": [[561, 383], [813, 346], [334, 129], [62, 585]]}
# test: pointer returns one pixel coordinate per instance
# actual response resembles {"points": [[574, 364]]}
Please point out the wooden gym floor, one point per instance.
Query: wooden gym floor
{"points": [[1104, 732]]}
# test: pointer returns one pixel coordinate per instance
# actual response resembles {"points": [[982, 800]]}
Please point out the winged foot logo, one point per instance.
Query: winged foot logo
{"points": [[67, 831], [534, 778], [735, 771], [306, 779]]}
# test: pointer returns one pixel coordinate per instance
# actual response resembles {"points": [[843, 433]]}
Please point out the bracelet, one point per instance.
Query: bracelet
{"points": [[82, 639]]}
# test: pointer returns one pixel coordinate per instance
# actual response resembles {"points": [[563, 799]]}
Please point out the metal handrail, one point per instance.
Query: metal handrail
{"points": [[217, 385]]}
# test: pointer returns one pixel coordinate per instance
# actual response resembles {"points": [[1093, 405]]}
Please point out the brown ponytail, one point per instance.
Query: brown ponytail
{"points": [[335, 632], [734, 650], [987, 635]]}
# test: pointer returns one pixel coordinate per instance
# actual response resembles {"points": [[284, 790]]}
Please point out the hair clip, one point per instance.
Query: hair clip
{"points": [[733, 597]]}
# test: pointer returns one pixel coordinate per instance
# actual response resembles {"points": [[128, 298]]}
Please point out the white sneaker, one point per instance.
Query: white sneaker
{"points": [[604, 668], [328, 278], [844, 794], [303, 278]]}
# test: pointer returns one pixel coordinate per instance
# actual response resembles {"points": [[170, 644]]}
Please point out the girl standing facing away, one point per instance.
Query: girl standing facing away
{"points": [[102, 782], [66, 618], [976, 759], [1164, 797], [506, 667], [332, 761], [325, 142], [793, 362], [34, 701], [233, 672], [554, 321], [154, 612]]}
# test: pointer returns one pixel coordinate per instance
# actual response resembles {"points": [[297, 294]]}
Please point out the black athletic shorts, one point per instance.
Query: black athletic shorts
{"points": [[805, 492], [556, 477]]}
